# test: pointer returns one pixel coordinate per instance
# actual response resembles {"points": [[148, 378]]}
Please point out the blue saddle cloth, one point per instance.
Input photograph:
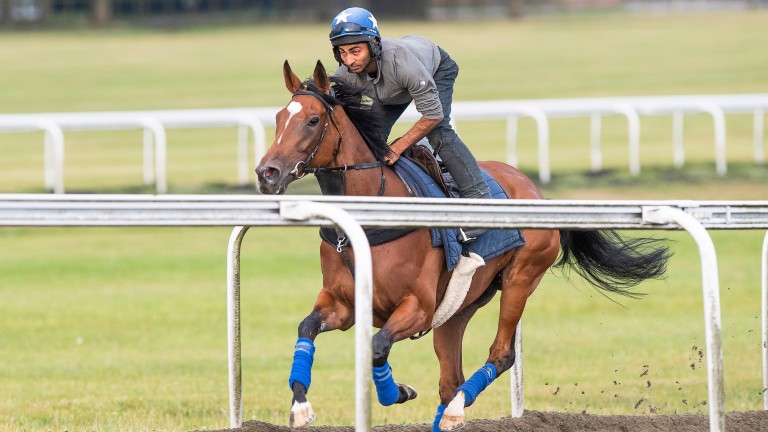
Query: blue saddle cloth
{"points": [[491, 244]]}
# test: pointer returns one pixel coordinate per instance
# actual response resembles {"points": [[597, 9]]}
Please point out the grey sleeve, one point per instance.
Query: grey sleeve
{"points": [[412, 75]]}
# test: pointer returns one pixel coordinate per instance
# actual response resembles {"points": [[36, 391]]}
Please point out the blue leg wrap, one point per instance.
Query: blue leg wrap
{"points": [[386, 389], [477, 383], [438, 417], [303, 356]]}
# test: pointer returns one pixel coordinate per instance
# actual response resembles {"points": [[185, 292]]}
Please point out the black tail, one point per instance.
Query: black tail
{"points": [[611, 262]]}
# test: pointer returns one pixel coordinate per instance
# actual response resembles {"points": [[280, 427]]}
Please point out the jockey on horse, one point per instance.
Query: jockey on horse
{"points": [[324, 132], [394, 72]]}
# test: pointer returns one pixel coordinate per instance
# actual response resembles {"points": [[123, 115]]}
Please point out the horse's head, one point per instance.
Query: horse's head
{"points": [[301, 131]]}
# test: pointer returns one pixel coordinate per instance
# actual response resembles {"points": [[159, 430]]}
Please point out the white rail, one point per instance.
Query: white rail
{"points": [[352, 213], [540, 110], [261, 210]]}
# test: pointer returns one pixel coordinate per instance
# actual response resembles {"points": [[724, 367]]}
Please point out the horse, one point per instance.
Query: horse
{"points": [[324, 132]]}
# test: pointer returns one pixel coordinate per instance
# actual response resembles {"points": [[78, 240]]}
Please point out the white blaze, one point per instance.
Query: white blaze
{"points": [[293, 109]]}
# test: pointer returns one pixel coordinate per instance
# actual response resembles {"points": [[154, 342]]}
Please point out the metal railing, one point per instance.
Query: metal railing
{"points": [[350, 214], [252, 121]]}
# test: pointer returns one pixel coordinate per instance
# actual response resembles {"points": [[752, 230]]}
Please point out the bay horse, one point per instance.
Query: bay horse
{"points": [[324, 132]]}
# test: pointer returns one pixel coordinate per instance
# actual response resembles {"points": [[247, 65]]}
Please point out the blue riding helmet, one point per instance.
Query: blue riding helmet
{"points": [[354, 25]]}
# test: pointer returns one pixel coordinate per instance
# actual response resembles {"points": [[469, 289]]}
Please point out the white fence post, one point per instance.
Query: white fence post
{"points": [[512, 141], [595, 154], [233, 327], [516, 374], [154, 150], [542, 133], [53, 156], [257, 129], [678, 150], [304, 211], [718, 119], [363, 297], [758, 145], [633, 131], [764, 273], [711, 288]]}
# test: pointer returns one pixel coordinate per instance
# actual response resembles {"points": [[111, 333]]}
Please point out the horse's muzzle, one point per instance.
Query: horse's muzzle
{"points": [[271, 180]]}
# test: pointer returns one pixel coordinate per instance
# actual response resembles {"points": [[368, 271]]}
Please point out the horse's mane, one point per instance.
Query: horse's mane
{"points": [[366, 119]]}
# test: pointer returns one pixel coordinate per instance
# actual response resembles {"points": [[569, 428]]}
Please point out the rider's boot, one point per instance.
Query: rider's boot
{"points": [[460, 162]]}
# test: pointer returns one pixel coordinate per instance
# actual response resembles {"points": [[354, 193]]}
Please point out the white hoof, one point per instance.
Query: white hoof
{"points": [[453, 416], [301, 415]]}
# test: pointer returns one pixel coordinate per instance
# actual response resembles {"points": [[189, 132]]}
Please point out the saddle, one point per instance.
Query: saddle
{"points": [[426, 160]]}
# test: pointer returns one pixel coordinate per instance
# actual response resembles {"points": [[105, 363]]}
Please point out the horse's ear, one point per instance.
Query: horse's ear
{"points": [[321, 78], [292, 82]]}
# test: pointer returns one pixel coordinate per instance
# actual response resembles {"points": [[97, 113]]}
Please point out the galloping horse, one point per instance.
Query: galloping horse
{"points": [[322, 133]]}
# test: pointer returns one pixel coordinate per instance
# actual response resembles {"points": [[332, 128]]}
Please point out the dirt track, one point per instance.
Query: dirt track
{"points": [[537, 421]]}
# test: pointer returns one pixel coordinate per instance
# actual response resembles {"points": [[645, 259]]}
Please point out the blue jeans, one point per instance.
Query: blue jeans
{"points": [[453, 152]]}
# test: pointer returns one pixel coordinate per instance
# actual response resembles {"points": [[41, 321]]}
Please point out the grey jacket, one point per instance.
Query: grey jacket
{"points": [[404, 74]]}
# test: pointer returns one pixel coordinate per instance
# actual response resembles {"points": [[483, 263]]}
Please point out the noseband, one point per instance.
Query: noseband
{"points": [[305, 168]]}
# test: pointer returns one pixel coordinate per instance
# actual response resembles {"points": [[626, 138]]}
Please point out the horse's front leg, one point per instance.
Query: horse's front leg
{"points": [[301, 371], [328, 314], [408, 319]]}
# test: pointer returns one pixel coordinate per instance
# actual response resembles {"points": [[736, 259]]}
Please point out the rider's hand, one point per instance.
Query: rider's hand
{"points": [[393, 154]]}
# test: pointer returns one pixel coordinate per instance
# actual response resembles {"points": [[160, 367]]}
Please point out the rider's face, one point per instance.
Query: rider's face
{"points": [[356, 57]]}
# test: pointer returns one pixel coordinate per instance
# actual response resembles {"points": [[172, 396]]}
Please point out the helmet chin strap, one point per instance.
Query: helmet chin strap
{"points": [[367, 65]]}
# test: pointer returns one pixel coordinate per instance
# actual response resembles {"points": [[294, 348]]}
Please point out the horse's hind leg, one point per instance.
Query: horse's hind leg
{"points": [[502, 357], [447, 342], [519, 280]]}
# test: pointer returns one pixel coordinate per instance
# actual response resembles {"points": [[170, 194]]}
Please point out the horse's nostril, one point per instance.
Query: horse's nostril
{"points": [[270, 174]]}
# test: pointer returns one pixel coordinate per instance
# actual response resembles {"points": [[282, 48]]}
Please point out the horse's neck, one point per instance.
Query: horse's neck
{"points": [[354, 151]]}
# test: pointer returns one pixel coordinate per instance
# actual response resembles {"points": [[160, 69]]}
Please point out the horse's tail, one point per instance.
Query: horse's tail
{"points": [[611, 262]]}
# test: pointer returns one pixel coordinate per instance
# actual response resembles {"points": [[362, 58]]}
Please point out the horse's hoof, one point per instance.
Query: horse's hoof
{"points": [[406, 393], [451, 423], [301, 415], [453, 416]]}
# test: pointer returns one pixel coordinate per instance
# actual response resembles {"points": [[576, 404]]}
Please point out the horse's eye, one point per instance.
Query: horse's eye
{"points": [[314, 121]]}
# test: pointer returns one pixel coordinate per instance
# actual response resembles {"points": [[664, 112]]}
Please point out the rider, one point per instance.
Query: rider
{"points": [[394, 72]]}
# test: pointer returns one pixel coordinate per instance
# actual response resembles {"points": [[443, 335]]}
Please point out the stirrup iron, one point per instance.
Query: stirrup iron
{"points": [[464, 238]]}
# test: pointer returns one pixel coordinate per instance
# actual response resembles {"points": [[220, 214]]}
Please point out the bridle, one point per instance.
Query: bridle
{"points": [[329, 112], [305, 168], [335, 184]]}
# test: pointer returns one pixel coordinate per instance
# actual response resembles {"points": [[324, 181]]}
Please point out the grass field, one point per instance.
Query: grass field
{"points": [[110, 329]]}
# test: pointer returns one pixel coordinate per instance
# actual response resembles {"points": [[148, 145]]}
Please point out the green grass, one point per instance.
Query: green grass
{"points": [[539, 57], [110, 329]]}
